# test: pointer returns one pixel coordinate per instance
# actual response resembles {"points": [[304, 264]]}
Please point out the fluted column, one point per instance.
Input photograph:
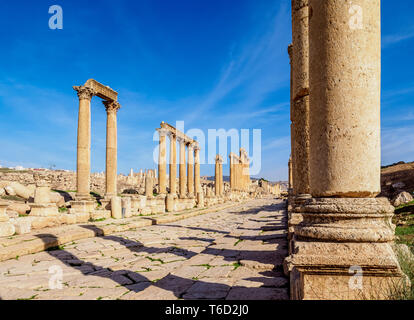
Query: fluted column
{"points": [[183, 176], [83, 165], [173, 164], [112, 108], [190, 169], [197, 183], [162, 162], [345, 228]]}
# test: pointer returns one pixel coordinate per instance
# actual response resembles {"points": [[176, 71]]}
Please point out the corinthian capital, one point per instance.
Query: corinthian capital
{"points": [[84, 92], [111, 106]]}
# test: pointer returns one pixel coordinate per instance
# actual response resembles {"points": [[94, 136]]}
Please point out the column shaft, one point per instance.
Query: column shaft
{"points": [[183, 176], [83, 164], [111, 148], [162, 164], [217, 178], [190, 170], [173, 164], [300, 95], [345, 73], [197, 183]]}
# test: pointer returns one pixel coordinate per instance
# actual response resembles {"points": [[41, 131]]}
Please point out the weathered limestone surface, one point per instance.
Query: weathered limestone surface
{"points": [[162, 162], [344, 228], [173, 164], [163, 261], [85, 95], [190, 170], [112, 108]]}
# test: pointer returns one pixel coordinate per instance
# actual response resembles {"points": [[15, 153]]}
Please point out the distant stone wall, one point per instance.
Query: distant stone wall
{"points": [[62, 180]]}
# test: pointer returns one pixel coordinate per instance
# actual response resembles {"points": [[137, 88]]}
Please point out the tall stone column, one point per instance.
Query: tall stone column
{"points": [[300, 96], [190, 169], [231, 173], [173, 164], [217, 176], [221, 185], [162, 162], [197, 183], [183, 177], [112, 108], [83, 166], [345, 229], [290, 176]]}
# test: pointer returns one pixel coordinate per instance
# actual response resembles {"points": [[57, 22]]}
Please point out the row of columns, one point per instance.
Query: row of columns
{"points": [[85, 95], [189, 176], [334, 172]]}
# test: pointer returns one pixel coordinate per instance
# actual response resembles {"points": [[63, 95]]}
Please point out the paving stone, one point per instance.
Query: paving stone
{"points": [[117, 266]]}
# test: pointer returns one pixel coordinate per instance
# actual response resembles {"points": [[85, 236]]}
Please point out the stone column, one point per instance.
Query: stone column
{"points": [[190, 169], [83, 166], [345, 229], [197, 183], [173, 164], [231, 173], [183, 177], [300, 96], [162, 162], [149, 187], [112, 108], [221, 185], [290, 175], [217, 176]]}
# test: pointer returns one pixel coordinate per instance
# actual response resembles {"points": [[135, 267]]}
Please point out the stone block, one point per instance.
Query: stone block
{"points": [[22, 226], [6, 229], [116, 208]]}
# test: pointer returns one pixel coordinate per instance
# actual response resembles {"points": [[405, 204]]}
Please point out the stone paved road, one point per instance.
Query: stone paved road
{"points": [[233, 254]]}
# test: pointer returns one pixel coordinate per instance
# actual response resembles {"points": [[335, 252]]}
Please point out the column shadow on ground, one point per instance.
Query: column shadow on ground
{"points": [[182, 288]]}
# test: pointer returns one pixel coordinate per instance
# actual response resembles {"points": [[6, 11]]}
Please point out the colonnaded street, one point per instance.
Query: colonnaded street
{"points": [[236, 253]]}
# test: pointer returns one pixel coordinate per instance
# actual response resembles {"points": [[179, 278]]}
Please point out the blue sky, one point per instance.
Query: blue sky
{"points": [[211, 63]]}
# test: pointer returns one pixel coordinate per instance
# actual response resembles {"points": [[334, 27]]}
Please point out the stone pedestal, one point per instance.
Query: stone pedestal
{"points": [[126, 207], [42, 206], [82, 206], [116, 207], [200, 200], [6, 228], [170, 203]]}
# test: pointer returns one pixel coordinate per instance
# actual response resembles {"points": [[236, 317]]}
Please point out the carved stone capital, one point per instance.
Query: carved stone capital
{"points": [[111, 106], [84, 92]]}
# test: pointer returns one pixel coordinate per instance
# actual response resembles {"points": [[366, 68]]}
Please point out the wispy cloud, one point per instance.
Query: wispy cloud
{"points": [[397, 144], [277, 143], [390, 40], [251, 70]]}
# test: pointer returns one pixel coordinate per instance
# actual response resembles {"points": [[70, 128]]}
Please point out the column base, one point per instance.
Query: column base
{"points": [[43, 210], [82, 206], [342, 250]]}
